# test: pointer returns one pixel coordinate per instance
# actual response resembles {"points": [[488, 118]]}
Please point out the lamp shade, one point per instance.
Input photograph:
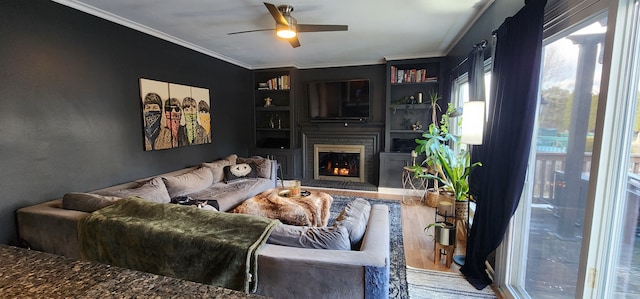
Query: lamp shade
{"points": [[472, 122]]}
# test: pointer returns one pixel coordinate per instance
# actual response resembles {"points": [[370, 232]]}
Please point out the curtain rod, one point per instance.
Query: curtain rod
{"points": [[482, 44]]}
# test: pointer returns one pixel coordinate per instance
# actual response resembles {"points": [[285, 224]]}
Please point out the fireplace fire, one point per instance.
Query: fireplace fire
{"points": [[339, 162]]}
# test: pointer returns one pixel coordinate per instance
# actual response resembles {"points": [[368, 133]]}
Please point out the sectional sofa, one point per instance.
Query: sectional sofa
{"points": [[288, 266]]}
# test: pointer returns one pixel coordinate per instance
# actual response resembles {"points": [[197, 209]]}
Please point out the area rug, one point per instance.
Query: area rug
{"points": [[361, 186], [442, 285], [397, 271]]}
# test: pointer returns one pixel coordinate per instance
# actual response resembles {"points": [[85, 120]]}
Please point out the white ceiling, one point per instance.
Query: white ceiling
{"points": [[378, 29]]}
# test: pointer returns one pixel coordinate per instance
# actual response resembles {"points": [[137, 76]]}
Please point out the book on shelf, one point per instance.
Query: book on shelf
{"points": [[394, 71], [276, 83], [410, 76]]}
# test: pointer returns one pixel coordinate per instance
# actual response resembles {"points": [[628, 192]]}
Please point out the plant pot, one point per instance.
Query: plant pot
{"points": [[445, 233], [462, 210], [446, 195], [432, 197]]}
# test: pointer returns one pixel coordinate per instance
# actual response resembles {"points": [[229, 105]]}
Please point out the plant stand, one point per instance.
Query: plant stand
{"points": [[462, 225], [411, 186], [440, 250], [444, 241]]}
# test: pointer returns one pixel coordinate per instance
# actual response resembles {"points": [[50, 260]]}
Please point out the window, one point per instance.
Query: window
{"points": [[460, 93]]}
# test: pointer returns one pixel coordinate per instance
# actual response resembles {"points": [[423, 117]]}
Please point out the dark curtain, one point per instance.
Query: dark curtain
{"points": [[476, 73], [507, 140]]}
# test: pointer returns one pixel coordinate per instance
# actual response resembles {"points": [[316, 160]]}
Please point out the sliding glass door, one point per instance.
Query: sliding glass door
{"points": [[563, 149], [576, 232]]}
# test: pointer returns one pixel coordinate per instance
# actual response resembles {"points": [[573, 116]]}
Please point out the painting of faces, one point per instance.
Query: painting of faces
{"points": [[174, 115]]}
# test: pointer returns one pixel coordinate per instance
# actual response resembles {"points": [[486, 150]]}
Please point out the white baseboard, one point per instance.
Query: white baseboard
{"points": [[400, 191]]}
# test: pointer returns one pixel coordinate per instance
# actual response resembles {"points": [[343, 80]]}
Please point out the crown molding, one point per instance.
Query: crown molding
{"points": [[144, 29]]}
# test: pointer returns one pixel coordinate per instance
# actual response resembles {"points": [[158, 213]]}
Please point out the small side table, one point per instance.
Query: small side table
{"points": [[412, 184]]}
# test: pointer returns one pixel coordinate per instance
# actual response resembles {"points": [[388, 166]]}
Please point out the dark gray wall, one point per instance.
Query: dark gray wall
{"points": [[71, 105]]}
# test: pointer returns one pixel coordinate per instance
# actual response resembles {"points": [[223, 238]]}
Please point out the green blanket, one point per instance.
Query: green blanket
{"points": [[178, 241]]}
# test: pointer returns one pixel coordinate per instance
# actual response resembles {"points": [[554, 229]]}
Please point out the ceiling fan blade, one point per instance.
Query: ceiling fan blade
{"points": [[276, 14], [318, 28], [294, 42], [247, 31]]}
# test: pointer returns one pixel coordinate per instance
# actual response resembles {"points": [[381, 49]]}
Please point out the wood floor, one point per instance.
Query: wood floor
{"points": [[418, 247]]}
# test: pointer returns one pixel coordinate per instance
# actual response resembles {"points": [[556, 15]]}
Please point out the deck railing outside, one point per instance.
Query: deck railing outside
{"points": [[549, 164]]}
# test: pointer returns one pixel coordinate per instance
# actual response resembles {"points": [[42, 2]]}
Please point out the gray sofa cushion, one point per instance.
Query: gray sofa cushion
{"points": [[152, 190], [232, 194], [190, 182], [262, 165], [87, 202], [354, 217], [217, 167], [331, 237]]}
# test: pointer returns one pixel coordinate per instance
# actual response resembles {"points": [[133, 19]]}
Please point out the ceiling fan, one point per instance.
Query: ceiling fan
{"points": [[287, 26]]}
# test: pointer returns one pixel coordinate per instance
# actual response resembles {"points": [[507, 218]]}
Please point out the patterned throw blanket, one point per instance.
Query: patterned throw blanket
{"points": [[177, 241], [311, 209]]}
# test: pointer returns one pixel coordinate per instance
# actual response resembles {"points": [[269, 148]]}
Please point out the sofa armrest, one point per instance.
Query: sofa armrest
{"points": [[334, 273], [50, 228]]}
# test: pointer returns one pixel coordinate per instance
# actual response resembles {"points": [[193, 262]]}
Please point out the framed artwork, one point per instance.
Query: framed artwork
{"points": [[174, 115]]}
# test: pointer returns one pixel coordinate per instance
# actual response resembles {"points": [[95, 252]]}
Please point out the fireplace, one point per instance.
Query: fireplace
{"points": [[338, 162]]}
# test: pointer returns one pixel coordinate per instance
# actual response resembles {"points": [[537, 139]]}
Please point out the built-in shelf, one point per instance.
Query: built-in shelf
{"points": [[407, 131], [274, 129], [273, 108], [409, 85], [275, 133]]}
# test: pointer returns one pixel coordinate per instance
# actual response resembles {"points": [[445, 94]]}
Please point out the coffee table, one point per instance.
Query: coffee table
{"points": [[309, 209]]}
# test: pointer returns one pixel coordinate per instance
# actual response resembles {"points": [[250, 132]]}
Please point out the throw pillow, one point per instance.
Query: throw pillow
{"points": [[217, 167], [87, 202], [263, 165], [190, 182], [152, 190], [354, 217], [331, 237], [239, 171]]}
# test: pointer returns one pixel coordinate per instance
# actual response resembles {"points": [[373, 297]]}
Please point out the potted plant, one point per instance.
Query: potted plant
{"points": [[455, 169], [449, 168], [444, 232], [273, 117], [433, 137]]}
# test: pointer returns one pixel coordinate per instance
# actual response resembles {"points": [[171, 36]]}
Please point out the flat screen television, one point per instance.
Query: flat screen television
{"points": [[339, 100]]}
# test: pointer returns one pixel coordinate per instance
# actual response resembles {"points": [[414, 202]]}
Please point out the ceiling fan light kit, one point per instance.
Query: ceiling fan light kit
{"points": [[287, 31], [287, 27]]}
